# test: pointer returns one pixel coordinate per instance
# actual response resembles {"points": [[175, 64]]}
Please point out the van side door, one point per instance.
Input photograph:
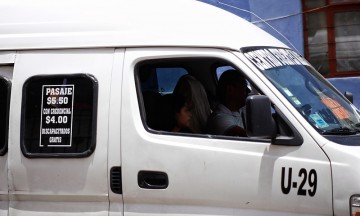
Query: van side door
{"points": [[58, 145], [167, 172]]}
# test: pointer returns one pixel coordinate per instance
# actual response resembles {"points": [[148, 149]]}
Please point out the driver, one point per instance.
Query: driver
{"points": [[228, 117]]}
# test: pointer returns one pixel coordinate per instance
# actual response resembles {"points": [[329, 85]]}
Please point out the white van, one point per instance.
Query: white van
{"points": [[76, 136]]}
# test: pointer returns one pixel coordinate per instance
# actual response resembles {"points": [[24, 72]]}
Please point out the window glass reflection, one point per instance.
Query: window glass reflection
{"points": [[347, 38]]}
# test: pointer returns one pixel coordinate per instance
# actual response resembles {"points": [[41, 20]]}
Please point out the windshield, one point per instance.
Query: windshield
{"points": [[320, 104]]}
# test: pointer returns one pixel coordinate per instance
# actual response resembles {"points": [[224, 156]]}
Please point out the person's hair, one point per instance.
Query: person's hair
{"points": [[227, 78], [170, 105], [196, 98]]}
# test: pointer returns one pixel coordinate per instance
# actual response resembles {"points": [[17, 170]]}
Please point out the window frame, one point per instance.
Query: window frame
{"points": [[330, 9]]}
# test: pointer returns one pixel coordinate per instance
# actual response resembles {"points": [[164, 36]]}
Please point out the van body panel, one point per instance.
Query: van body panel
{"points": [[215, 174], [62, 181], [34, 208], [114, 154], [7, 57], [114, 23], [344, 164]]}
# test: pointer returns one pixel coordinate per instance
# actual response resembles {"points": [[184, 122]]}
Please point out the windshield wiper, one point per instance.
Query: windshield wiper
{"points": [[340, 131]]}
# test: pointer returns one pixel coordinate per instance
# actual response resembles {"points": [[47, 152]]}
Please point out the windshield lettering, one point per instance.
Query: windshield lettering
{"points": [[270, 58]]}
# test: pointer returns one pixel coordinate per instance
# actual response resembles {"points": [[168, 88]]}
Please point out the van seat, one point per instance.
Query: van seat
{"points": [[152, 101]]}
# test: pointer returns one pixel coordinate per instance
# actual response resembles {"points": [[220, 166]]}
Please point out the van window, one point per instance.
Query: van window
{"points": [[169, 94], [59, 116], [162, 79], [5, 86]]}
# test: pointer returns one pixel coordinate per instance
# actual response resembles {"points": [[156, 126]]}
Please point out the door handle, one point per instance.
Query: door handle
{"points": [[153, 180]]}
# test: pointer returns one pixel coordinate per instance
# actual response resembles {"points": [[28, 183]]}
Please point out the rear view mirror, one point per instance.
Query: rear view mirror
{"points": [[349, 96], [259, 120]]}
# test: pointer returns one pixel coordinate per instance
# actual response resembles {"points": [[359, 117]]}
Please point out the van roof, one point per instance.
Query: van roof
{"points": [[44, 24]]}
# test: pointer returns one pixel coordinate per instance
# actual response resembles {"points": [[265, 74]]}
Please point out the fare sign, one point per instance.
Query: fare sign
{"points": [[56, 115]]}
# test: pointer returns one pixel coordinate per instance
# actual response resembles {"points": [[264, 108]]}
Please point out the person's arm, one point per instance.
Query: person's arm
{"points": [[224, 125], [235, 131]]}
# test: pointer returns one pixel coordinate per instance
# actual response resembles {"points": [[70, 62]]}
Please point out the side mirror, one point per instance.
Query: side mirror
{"points": [[259, 120], [349, 96]]}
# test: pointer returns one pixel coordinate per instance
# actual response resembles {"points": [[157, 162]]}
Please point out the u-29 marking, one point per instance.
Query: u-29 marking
{"points": [[307, 177]]}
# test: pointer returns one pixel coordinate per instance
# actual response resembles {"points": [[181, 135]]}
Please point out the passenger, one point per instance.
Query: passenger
{"points": [[175, 114], [227, 118], [196, 98]]}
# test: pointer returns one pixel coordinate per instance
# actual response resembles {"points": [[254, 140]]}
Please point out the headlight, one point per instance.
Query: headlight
{"points": [[355, 205]]}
